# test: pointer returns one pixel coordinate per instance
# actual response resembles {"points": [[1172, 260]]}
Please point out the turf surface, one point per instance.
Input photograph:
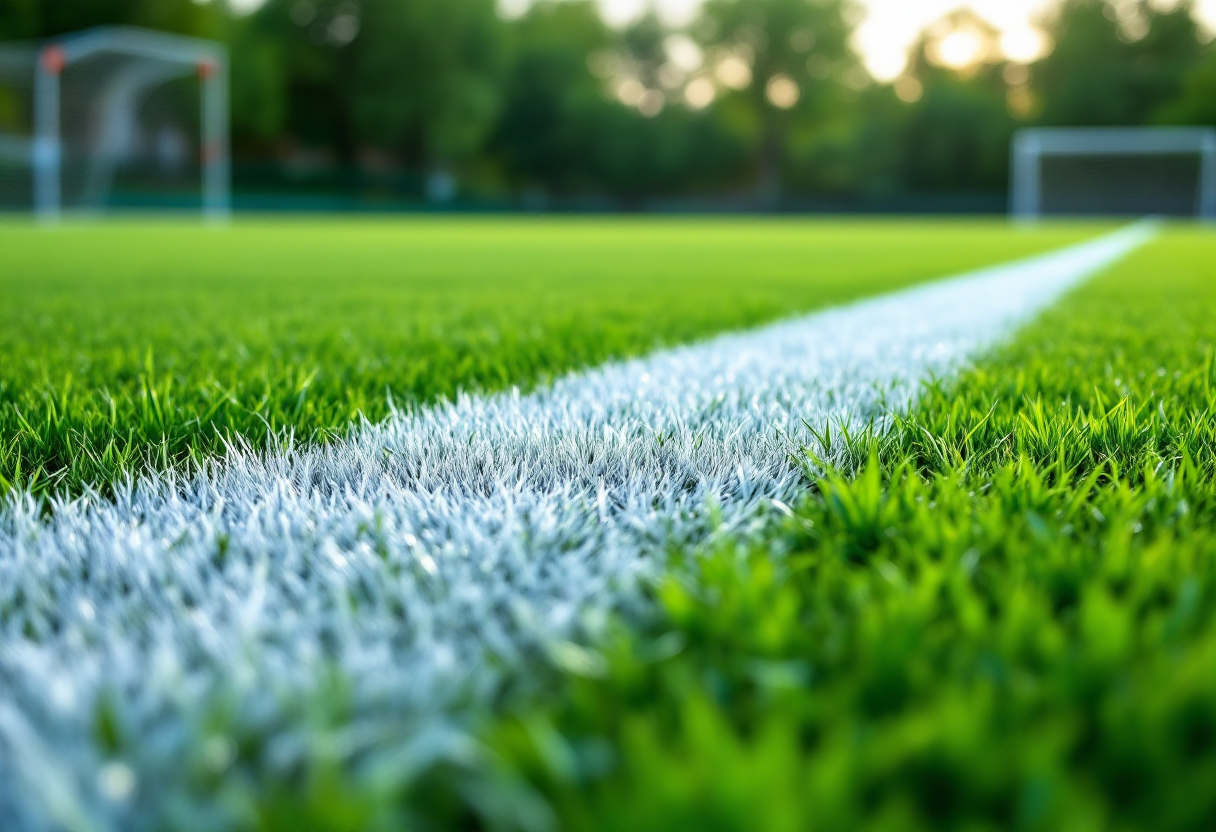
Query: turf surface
{"points": [[1003, 615], [130, 346], [425, 566]]}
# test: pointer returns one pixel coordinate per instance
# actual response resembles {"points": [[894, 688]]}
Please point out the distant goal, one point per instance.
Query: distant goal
{"points": [[114, 118], [1166, 171]]}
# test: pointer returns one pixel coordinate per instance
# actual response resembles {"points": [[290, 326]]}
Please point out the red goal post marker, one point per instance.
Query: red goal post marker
{"points": [[53, 59], [206, 71]]}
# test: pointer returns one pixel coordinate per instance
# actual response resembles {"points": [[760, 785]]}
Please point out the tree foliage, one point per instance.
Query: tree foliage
{"points": [[800, 66], [764, 101], [1115, 65]]}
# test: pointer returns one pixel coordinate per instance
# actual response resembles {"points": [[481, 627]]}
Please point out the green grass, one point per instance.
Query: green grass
{"points": [[1002, 615], [130, 346]]}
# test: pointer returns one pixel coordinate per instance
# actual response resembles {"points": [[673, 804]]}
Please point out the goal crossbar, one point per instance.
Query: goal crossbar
{"points": [[1031, 146], [206, 58]]}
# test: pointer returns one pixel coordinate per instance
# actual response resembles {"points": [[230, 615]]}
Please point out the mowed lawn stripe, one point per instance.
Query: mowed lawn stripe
{"points": [[134, 346], [419, 565]]}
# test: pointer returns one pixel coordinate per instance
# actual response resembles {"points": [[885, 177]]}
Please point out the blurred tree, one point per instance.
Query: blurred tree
{"points": [[762, 96], [259, 88], [1196, 102], [590, 111], [555, 120], [414, 81], [26, 19], [428, 77], [783, 63], [955, 136], [1115, 64]]}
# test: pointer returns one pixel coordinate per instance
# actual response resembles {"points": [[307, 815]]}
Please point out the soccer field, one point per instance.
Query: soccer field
{"points": [[778, 530], [126, 345]]}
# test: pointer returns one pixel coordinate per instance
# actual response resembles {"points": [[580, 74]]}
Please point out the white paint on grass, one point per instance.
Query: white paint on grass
{"points": [[408, 571]]}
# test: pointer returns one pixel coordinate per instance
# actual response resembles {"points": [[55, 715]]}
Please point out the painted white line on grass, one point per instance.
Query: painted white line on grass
{"points": [[407, 571]]}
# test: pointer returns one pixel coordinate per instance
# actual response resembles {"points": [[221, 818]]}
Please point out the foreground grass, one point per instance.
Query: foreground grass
{"points": [[132, 346], [1003, 617]]}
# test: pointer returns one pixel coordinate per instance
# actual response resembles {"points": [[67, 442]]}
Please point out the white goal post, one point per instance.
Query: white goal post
{"points": [[1168, 171], [83, 111]]}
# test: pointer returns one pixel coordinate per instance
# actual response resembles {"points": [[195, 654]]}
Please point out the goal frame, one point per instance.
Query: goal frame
{"points": [[1031, 146], [208, 59]]}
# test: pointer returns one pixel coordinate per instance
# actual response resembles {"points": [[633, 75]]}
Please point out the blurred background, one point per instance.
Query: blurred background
{"points": [[567, 105]]}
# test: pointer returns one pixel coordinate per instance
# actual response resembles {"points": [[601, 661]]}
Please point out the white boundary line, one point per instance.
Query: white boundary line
{"points": [[402, 559]]}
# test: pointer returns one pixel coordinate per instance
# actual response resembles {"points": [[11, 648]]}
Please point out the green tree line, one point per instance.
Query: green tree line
{"points": [[759, 101]]}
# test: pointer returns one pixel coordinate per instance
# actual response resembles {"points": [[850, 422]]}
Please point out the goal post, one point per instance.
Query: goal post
{"points": [[116, 105], [1168, 171]]}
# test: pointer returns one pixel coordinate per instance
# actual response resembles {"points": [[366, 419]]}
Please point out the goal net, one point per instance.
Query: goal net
{"points": [[114, 118], [1166, 171]]}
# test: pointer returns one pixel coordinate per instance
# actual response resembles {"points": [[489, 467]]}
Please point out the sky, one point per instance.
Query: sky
{"points": [[891, 26]]}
